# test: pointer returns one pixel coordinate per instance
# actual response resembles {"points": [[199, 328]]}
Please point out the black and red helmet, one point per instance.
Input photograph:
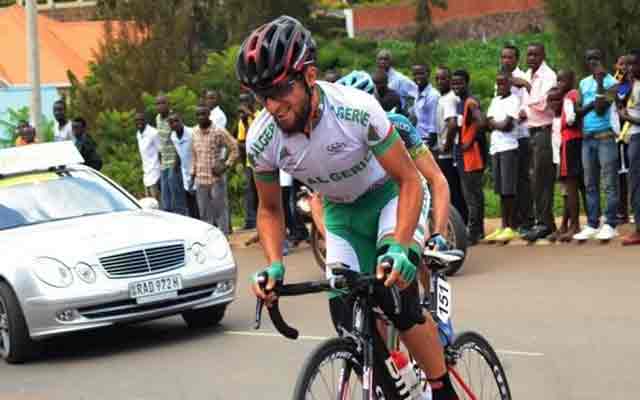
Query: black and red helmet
{"points": [[273, 52]]}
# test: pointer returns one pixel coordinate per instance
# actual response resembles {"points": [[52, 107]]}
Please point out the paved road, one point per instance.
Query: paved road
{"points": [[564, 318]]}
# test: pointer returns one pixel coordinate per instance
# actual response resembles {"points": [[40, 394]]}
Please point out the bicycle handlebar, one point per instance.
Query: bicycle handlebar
{"points": [[344, 279]]}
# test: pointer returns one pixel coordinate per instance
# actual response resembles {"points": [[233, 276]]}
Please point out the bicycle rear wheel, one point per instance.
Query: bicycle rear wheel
{"points": [[476, 371], [333, 371]]}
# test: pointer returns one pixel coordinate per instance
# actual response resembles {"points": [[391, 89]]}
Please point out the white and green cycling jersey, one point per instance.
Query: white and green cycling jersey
{"points": [[338, 159]]}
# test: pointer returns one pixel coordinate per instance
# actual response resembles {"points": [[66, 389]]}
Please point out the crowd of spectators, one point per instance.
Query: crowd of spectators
{"points": [[540, 129]]}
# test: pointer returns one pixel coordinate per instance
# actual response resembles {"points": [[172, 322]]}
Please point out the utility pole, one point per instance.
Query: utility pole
{"points": [[33, 65]]}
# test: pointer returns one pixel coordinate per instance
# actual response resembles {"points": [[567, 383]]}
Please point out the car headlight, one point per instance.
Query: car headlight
{"points": [[86, 273], [217, 244], [198, 253], [53, 272]]}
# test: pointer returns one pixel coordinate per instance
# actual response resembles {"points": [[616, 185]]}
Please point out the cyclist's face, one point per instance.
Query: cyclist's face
{"points": [[286, 102]]}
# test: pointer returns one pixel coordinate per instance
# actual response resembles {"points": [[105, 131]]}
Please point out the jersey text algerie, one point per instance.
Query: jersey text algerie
{"points": [[338, 158]]}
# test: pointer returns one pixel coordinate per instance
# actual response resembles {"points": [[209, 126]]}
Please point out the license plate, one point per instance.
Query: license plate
{"points": [[155, 289], [443, 303]]}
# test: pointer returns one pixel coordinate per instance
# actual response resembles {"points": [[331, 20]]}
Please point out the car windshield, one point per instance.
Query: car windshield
{"points": [[46, 197]]}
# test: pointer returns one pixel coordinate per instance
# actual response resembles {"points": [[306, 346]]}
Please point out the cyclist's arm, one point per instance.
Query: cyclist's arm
{"points": [[439, 186], [396, 162], [270, 217]]}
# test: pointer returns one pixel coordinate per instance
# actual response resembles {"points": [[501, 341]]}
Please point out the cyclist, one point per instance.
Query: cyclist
{"points": [[339, 141], [421, 156]]}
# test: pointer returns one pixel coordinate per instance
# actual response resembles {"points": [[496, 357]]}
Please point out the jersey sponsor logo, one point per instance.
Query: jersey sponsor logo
{"points": [[352, 115], [337, 147], [261, 143], [344, 174]]}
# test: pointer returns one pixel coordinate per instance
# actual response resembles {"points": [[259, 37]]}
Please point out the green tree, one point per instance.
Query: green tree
{"points": [[241, 16], [424, 27], [611, 26]]}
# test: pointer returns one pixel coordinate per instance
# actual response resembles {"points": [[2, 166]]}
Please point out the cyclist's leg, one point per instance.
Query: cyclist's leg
{"points": [[317, 212], [349, 247], [419, 333]]}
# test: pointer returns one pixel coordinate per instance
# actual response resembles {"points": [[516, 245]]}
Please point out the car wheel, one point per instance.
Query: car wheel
{"points": [[204, 317], [16, 345]]}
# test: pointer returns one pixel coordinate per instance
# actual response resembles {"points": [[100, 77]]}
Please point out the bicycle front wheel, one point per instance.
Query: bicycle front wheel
{"points": [[332, 371], [476, 371]]}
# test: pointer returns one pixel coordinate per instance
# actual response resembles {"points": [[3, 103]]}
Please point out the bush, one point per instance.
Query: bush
{"points": [[118, 146]]}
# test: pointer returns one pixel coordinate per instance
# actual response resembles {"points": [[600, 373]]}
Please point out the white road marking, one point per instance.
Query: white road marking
{"points": [[520, 353], [273, 334], [320, 338]]}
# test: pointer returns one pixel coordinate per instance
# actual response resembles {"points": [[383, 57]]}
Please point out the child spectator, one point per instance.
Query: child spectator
{"points": [[631, 114], [570, 157], [554, 101], [502, 117], [26, 135], [623, 76]]}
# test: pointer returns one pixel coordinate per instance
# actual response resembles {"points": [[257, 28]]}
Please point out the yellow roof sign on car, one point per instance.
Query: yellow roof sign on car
{"points": [[38, 157]]}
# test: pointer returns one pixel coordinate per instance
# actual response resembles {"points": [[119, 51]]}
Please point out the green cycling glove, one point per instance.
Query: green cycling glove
{"points": [[398, 256], [274, 271]]}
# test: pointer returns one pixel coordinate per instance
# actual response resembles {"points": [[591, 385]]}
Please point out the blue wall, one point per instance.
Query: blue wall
{"points": [[18, 97]]}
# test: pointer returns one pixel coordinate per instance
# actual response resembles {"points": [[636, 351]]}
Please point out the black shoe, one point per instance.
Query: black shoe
{"points": [[538, 232], [249, 227]]}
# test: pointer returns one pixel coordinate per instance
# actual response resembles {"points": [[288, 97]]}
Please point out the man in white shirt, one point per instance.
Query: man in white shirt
{"points": [[399, 83], [501, 119], [446, 118], [217, 116], [61, 126], [538, 118], [182, 139], [149, 147], [509, 58]]}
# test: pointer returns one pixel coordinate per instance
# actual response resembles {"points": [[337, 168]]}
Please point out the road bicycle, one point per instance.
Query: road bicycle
{"points": [[358, 363]]}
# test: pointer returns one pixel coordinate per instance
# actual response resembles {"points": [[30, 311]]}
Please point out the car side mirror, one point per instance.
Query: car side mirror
{"points": [[149, 203]]}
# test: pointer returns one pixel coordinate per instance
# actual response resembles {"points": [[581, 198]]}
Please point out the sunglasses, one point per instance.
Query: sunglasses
{"points": [[275, 92]]}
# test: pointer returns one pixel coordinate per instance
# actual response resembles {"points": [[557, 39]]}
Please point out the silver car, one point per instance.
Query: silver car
{"points": [[79, 252]]}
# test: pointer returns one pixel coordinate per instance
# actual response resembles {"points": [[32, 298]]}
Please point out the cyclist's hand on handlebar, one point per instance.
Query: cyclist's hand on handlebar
{"points": [[403, 271], [274, 273], [438, 242]]}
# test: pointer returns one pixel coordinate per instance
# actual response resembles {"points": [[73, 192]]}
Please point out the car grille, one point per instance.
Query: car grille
{"points": [[130, 307], [145, 261]]}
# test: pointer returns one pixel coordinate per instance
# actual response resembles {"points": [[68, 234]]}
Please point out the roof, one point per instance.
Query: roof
{"points": [[38, 157], [64, 46]]}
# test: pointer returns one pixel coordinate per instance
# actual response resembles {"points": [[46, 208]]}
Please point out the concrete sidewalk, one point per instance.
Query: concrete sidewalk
{"points": [[243, 238]]}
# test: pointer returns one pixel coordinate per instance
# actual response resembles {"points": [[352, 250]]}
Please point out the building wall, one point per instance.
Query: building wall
{"points": [[402, 17], [82, 13]]}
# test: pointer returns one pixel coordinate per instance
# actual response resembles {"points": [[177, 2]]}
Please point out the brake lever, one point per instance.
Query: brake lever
{"points": [[262, 281], [259, 306], [387, 266]]}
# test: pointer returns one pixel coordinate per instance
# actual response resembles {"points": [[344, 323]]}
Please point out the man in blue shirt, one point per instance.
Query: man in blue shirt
{"points": [[599, 149], [397, 81], [426, 105]]}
